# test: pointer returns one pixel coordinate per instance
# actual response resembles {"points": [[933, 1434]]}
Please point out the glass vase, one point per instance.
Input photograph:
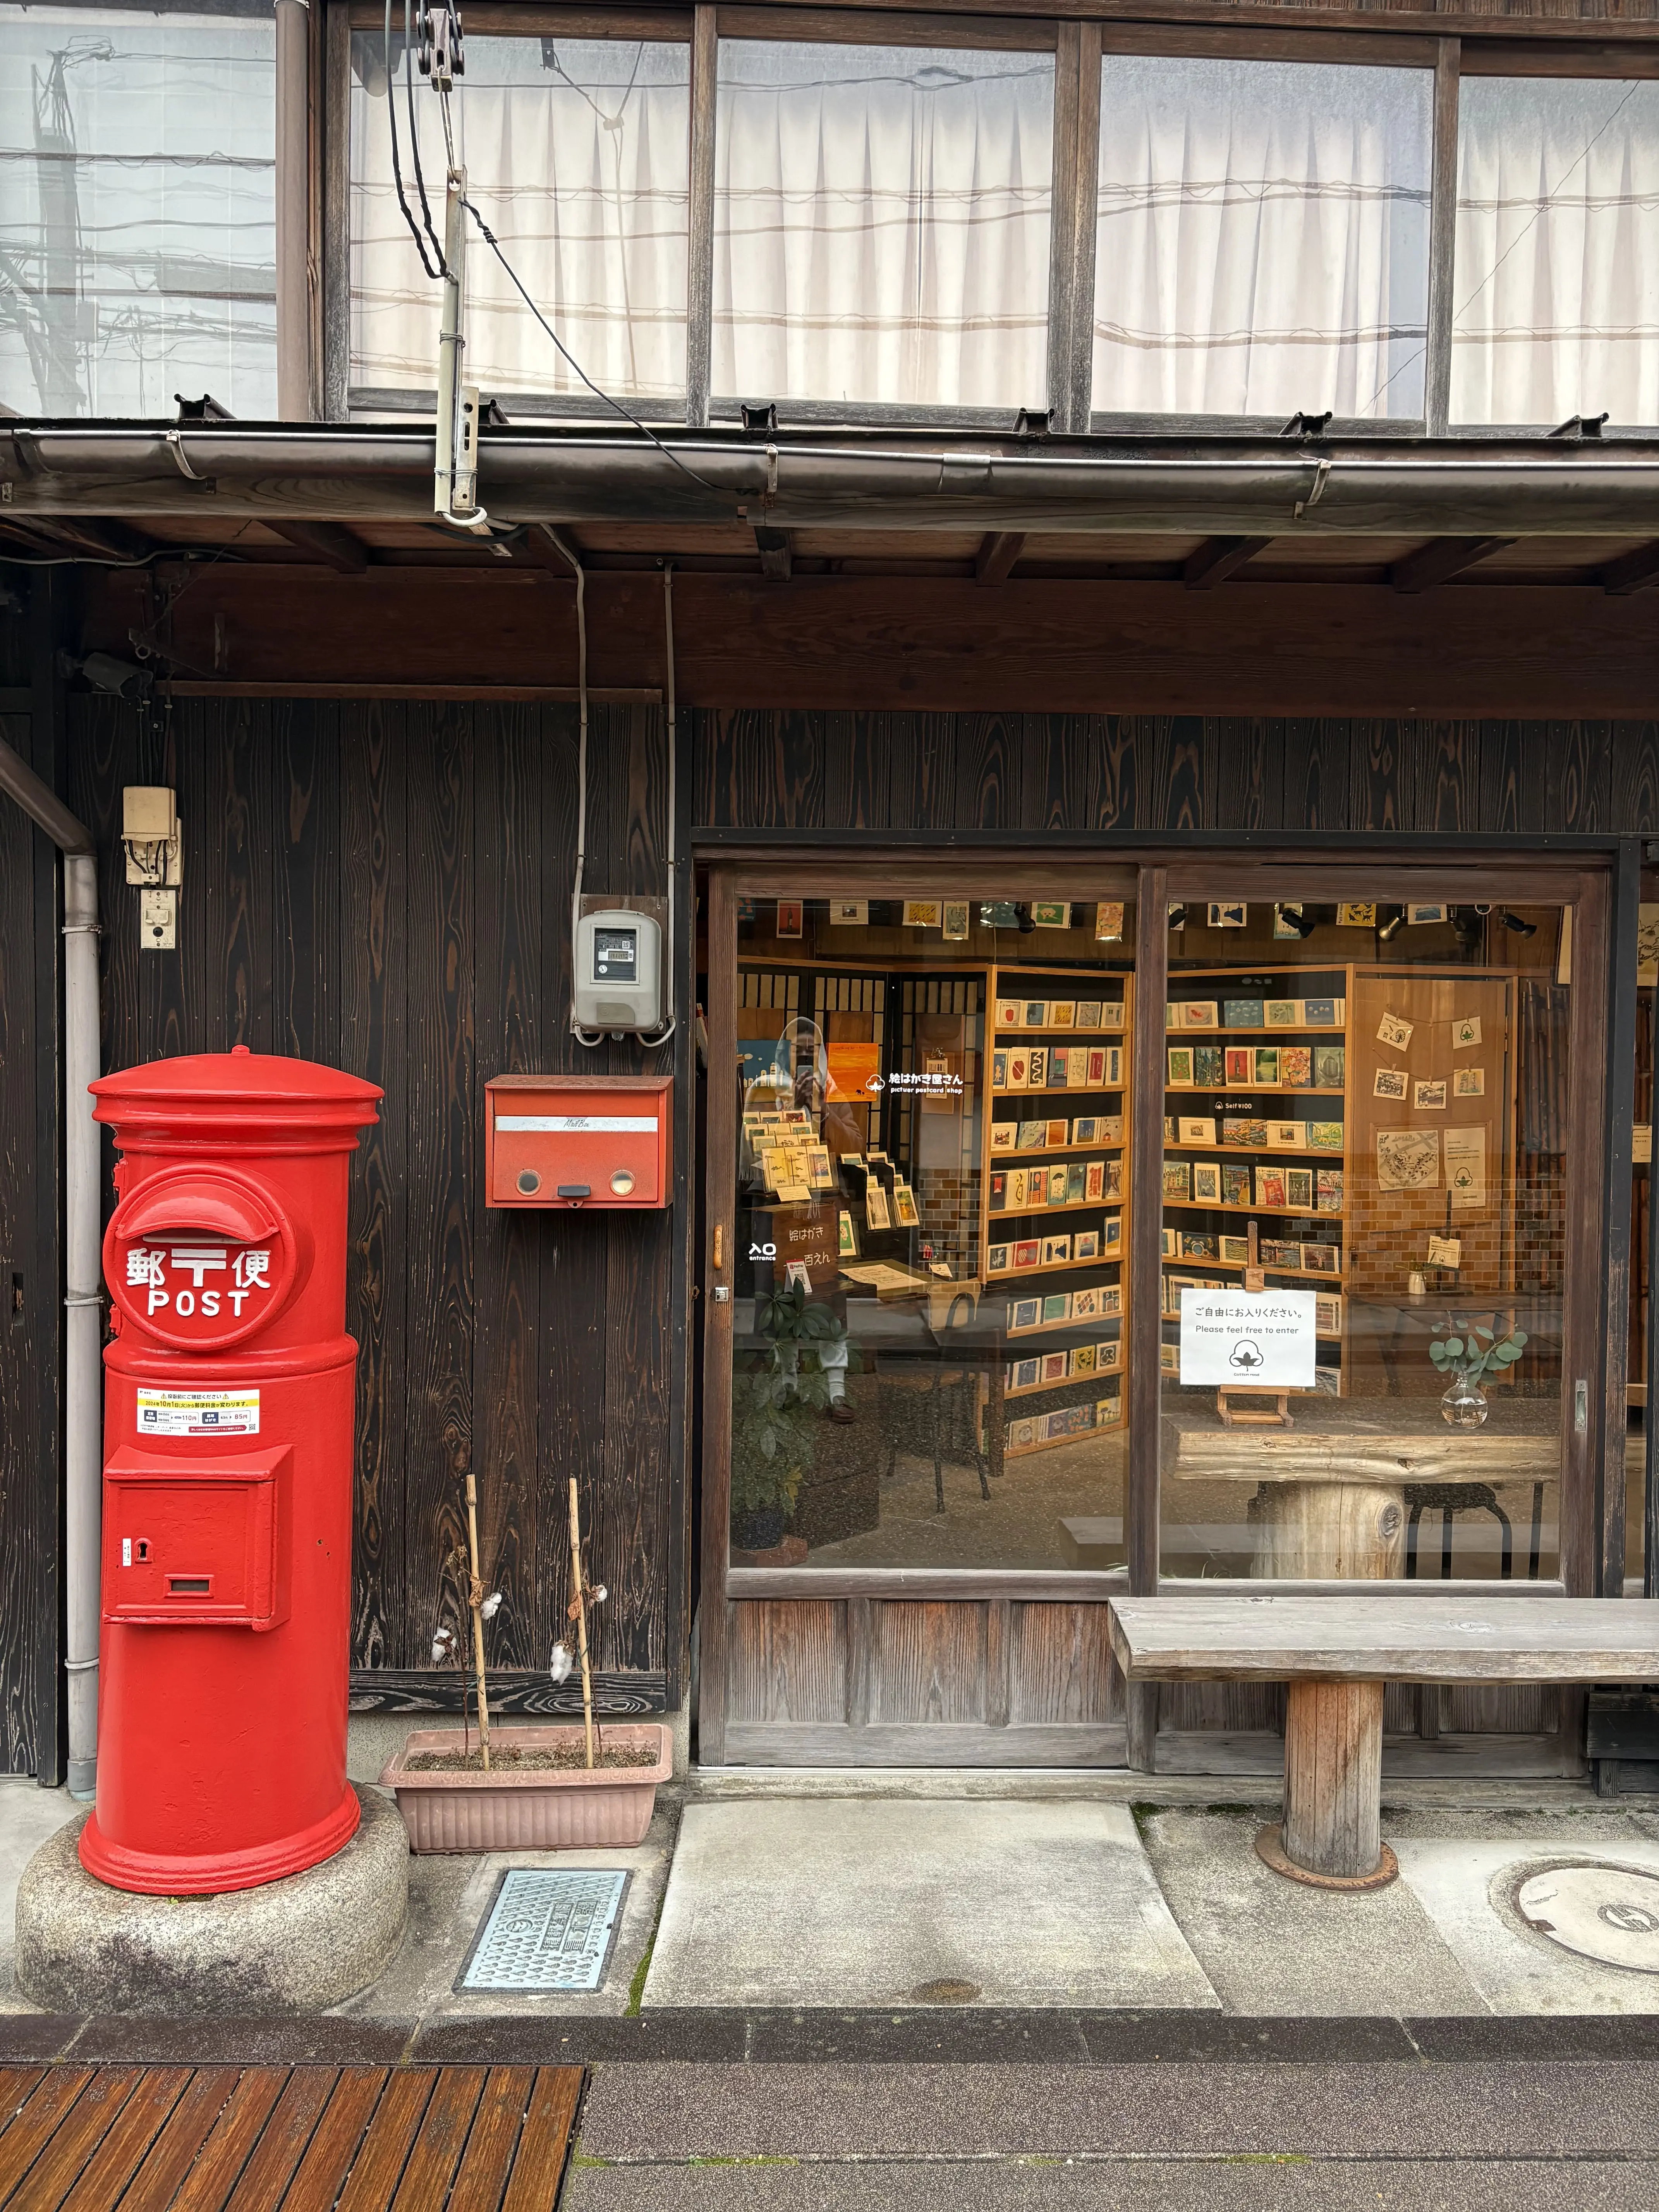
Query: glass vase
{"points": [[1464, 1405]]}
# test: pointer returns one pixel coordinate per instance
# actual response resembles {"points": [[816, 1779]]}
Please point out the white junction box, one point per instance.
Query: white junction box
{"points": [[618, 983]]}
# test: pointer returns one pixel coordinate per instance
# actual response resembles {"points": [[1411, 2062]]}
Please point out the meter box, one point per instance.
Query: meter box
{"points": [[619, 980], [576, 1140]]}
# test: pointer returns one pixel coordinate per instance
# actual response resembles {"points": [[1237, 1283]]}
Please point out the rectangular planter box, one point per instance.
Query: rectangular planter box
{"points": [[567, 1809]]}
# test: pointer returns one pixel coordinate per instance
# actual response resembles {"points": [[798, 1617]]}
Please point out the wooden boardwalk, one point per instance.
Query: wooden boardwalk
{"points": [[284, 2138]]}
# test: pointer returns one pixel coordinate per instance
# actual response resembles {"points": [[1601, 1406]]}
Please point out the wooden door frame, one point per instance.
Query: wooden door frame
{"points": [[1596, 875]]}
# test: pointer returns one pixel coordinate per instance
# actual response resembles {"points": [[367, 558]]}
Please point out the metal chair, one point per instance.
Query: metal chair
{"points": [[1449, 1499]]}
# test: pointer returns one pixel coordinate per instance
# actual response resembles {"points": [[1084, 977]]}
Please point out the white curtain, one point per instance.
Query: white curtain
{"points": [[881, 224], [1555, 300], [1262, 239], [138, 211], [578, 157]]}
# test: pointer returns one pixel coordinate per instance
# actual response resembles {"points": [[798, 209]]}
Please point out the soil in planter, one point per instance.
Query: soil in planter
{"points": [[539, 1759]]}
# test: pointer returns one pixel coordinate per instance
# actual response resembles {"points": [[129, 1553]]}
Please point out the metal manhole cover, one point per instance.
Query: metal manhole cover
{"points": [[546, 1931], [1608, 1913]]}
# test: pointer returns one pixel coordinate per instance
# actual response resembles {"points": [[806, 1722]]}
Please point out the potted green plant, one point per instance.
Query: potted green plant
{"points": [[777, 1400], [550, 1787], [1465, 1351]]}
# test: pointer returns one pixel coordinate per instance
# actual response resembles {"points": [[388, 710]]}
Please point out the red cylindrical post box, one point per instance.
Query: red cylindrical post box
{"points": [[227, 1457]]}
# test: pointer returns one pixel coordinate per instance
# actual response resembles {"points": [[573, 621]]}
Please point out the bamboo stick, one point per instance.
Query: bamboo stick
{"points": [[579, 1606], [476, 1599]]}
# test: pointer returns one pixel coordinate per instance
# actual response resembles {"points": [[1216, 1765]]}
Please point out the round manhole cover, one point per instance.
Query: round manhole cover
{"points": [[1602, 1912]]}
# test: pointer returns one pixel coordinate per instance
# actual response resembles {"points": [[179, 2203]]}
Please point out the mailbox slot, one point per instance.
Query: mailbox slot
{"points": [[579, 1141], [196, 1542]]}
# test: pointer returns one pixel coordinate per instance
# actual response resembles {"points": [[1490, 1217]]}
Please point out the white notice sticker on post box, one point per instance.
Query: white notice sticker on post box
{"points": [[231, 1412], [1248, 1340]]}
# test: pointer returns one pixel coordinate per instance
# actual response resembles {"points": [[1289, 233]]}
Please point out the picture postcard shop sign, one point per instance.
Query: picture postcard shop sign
{"points": [[1260, 1340]]}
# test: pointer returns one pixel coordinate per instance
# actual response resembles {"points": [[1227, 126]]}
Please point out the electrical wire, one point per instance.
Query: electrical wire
{"points": [[495, 245], [590, 1038], [396, 166], [415, 137]]}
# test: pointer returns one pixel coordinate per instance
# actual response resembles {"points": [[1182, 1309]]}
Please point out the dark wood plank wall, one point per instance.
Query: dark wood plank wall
{"points": [[880, 770], [385, 887]]}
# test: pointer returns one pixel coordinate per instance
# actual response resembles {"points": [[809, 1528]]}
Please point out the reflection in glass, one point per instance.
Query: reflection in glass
{"points": [[137, 223], [1365, 1153], [1262, 239], [578, 158], [930, 1235], [881, 224]]}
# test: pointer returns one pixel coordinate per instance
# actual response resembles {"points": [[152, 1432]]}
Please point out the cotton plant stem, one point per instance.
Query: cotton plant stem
{"points": [[580, 1585], [477, 1617]]}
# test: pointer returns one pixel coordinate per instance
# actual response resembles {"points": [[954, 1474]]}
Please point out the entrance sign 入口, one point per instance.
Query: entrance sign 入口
{"points": [[1253, 1339]]}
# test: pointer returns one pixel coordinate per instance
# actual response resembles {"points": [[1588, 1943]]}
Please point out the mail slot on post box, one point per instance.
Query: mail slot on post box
{"points": [[578, 1140]]}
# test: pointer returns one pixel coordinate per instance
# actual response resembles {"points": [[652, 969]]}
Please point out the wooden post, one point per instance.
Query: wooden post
{"points": [[1333, 1780], [579, 1606], [476, 1599]]}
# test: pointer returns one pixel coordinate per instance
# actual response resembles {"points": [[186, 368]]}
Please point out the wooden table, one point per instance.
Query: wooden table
{"points": [[1333, 1489], [1337, 1654]]}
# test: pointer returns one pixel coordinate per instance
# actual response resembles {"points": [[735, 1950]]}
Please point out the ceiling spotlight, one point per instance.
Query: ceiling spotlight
{"points": [[1466, 927], [1177, 917], [1026, 921], [1392, 927], [1514, 921], [1296, 918]]}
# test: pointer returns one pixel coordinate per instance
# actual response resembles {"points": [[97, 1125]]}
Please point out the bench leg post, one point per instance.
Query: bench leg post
{"points": [[1332, 1786]]}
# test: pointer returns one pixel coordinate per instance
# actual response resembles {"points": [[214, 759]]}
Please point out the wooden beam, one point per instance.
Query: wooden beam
{"points": [[1632, 572], [700, 228], [331, 542], [997, 555], [1218, 558], [1441, 559], [1443, 227], [777, 553]]}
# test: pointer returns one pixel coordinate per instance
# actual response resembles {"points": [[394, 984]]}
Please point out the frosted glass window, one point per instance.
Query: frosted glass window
{"points": [[578, 157], [881, 224], [138, 211], [1262, 243], [1555, 300]]}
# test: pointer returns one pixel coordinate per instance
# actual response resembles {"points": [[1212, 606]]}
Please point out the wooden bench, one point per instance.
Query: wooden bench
{"points": [[1336, 1654]]}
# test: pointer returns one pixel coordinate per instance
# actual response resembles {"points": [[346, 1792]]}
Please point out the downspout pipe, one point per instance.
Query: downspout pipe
{"points": [[294, 393], [83, 1319]]}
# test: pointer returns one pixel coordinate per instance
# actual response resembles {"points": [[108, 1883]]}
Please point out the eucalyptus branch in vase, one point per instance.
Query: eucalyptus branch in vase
{"points": [[1465, 1351]]}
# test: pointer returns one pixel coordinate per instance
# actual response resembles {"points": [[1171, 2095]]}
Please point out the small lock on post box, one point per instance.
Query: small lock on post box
{"points": [[578, 1140], [229, 1395]]}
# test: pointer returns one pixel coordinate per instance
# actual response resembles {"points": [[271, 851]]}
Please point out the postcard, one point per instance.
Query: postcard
{"points": [[1242, 1014], [1324, 1013], [1169, 1129], [1087, 1244], [1177, 1181], [1094, 1179], [1167, 1242], [1106, 1358], [1000, 1070], [1266, 1066], [1007, 1013], [1209, 1061], [1328, 1191], [1227, 914], [1024, 1313], [1031, 1135], [1299, 1187], [789, 917], [1085, 1304], [1111, 1300], [1466, 1032], [1057, 1306], [1241, 1064], [1466, 1169], [1470, 1083], [1330, 1066], [1408, 1159], [1051, 913], [1199, 1014], [1112, 1238], [923, 913], [1390, 1083], [1206, 1183], [1053, 1366], [1111, 1014], [997, 1259], [904, 1205], [1321, 1259], [1062, 1013], [1180, 1067], [1394, 1030], [1327, 1315], [1197, 1244], [875, 1204], [956, 921], [1005, 1136], [1027, 1374], [1053, 1133], [1235, 1250], [1022, 1435], [1168, 1359], [1036, 1014], [1083, 1359], [1027, 1253], [1273, 1253], [1077, 1179], [1420, 913], [1108, 922], [1195, 1129], [820, 1173], [1324, 1136], [850, 913], [1270, 1187], [1284, 1014], [1296, 1066], [1058, 1183], [1036, 1068], [1088, 1013], [847, 1244], [1429, 1095], [1358, 914], [1287, 1136]]}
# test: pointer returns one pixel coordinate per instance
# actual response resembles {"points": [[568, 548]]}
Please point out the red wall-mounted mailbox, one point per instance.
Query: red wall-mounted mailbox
{"points": [[576, 1140]]}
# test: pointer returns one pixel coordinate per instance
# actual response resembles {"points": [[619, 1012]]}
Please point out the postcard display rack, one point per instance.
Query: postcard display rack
{"points": [[1056, 1184], [1256, 1169]]}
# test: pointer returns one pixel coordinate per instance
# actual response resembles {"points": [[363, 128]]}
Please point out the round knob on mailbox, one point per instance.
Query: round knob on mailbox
{"points": [[529, 1180], [623, 1182]]}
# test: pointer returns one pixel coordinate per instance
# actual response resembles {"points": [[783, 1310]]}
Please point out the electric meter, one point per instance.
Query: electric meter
{"points": [[618, 971]]}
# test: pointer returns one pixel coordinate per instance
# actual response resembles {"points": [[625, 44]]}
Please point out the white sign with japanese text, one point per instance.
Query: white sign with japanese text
{"points": [[1260, 1340], [230, 1413]]}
